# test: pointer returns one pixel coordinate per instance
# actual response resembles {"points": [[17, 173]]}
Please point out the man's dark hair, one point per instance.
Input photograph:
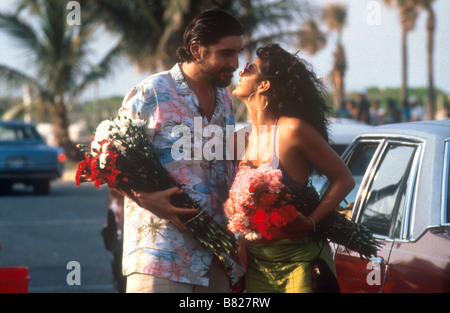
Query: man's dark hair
{"points": [[207, 28]]}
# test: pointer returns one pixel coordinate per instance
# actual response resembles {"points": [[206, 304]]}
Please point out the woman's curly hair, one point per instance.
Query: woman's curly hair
{"points": [[295, 90]]}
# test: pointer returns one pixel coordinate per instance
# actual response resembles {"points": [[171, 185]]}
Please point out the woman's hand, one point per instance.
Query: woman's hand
{"points": [[158, 203], [301, 226]]}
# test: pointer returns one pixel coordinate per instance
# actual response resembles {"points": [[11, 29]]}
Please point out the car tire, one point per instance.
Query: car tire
{"points": [[41, 187], [5, 187]]}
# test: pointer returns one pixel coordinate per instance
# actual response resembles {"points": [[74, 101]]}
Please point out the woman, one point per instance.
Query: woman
{"points": [[278, 89]]}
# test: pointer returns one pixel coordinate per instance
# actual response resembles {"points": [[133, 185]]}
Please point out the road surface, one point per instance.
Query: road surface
{"points": [[46, 233]]}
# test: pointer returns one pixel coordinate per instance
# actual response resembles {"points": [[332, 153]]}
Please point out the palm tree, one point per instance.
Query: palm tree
{"points": [[408, 15], [152, 30], [311, 38], [430, 26], [335, 16], [58, 53]]}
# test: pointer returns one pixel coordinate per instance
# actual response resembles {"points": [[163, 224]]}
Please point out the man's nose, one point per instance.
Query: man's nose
{"points": [[235, 62]]}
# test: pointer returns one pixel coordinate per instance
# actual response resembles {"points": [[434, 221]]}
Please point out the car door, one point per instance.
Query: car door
{"points": [[380, 200], [419, 260]]}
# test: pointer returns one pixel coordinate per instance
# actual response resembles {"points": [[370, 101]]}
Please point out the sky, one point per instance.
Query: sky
{"points": [[371, 39]]}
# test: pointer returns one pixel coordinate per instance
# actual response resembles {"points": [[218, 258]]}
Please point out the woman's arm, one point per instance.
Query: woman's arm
{"points": [[301, 138]]}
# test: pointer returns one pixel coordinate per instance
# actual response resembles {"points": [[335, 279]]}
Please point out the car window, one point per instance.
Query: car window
{"points": [[384, 205], [339, 148], [13, 133], [7, 133], [358, 161]]}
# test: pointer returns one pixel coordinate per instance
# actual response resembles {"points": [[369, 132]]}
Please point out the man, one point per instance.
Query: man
{"points": [[363, 108], [160, 255], [417, 113]]}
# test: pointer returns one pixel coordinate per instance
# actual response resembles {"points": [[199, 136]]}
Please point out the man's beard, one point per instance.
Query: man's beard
{"points": [[212, 77]]}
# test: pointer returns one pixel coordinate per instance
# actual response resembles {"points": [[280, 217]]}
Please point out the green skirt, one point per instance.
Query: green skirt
{"points": [[285, 266]]}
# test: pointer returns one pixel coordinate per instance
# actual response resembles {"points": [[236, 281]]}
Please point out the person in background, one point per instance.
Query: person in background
{"points": [[363, 108], [343, 111], [417, 113], [406, 111], [394, 114], [377, 113], [352, 108], [112, 234]]}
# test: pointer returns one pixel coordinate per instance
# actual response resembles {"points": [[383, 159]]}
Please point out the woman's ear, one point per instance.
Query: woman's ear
{"points": [[264, 86]]}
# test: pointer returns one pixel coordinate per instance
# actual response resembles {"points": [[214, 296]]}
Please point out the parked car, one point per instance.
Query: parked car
{"points": [[402, 174], [342, 132], [26, 158]]}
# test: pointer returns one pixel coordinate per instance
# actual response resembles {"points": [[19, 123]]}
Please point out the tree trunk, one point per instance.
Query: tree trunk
{"points": [[404, 87], [431, 105], [61, 131], [339, 68]]}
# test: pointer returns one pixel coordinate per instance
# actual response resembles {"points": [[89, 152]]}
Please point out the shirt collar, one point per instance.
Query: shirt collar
{"points": [[184, 89], [181, 83]]}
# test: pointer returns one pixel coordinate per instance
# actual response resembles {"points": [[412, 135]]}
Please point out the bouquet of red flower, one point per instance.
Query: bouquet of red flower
{"points": [[260, 205], [121, 155]]}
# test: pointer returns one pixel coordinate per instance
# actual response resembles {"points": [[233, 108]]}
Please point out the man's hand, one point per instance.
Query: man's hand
{"points": [[158, 203]]}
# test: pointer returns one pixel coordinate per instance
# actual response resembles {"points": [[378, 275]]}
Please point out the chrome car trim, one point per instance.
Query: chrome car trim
{"points": [[411, 193], [445, 184], [408, 217], [368, 175]]}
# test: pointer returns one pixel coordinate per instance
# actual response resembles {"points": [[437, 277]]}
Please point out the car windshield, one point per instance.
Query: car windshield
{"points": [[18, 133]]}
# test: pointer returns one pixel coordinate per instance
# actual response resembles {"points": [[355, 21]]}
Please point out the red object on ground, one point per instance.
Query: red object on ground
{"points": [[14, 279]]}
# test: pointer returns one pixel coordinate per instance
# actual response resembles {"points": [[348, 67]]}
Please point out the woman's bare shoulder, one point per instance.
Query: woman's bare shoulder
{"points": [[291, 127]]}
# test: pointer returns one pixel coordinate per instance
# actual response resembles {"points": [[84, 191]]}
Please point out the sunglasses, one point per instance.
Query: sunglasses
{"points": [[252, 69], [249, 68]]}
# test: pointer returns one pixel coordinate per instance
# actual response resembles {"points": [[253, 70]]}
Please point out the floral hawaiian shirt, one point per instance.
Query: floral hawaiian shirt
{"points": [[155, 246]]}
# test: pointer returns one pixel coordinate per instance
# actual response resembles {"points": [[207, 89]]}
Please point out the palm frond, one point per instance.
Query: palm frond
{"points": [[100, 70], [174, 20], [20, 31], [16, 79]]}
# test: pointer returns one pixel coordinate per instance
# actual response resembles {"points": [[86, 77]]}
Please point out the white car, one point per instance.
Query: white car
{"points": [[342, 132], [402, 195]]}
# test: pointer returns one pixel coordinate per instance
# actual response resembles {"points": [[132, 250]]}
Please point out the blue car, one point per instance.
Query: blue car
{"points": [[26, 158]]}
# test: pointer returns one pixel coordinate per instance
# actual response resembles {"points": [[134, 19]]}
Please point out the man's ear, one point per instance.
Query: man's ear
{"points": [[195, 49]]}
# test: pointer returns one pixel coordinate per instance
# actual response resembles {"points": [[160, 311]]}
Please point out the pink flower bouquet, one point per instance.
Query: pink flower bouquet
{"points": [[257, 206], [260, 205]]}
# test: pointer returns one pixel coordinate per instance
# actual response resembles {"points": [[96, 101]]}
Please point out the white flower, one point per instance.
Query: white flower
{"points": [[102, 132], [253, 236], [138, 123], [104, 155], [120, 127]]}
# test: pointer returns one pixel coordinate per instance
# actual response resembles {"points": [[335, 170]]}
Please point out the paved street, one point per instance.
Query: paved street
{"points": [[45, 233]]}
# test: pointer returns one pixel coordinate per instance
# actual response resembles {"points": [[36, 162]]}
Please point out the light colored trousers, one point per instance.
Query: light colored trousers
{"points": [[143, 283]]}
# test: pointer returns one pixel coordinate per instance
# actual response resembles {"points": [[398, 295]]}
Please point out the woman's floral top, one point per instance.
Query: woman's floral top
{"points": [[185, 141]]}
